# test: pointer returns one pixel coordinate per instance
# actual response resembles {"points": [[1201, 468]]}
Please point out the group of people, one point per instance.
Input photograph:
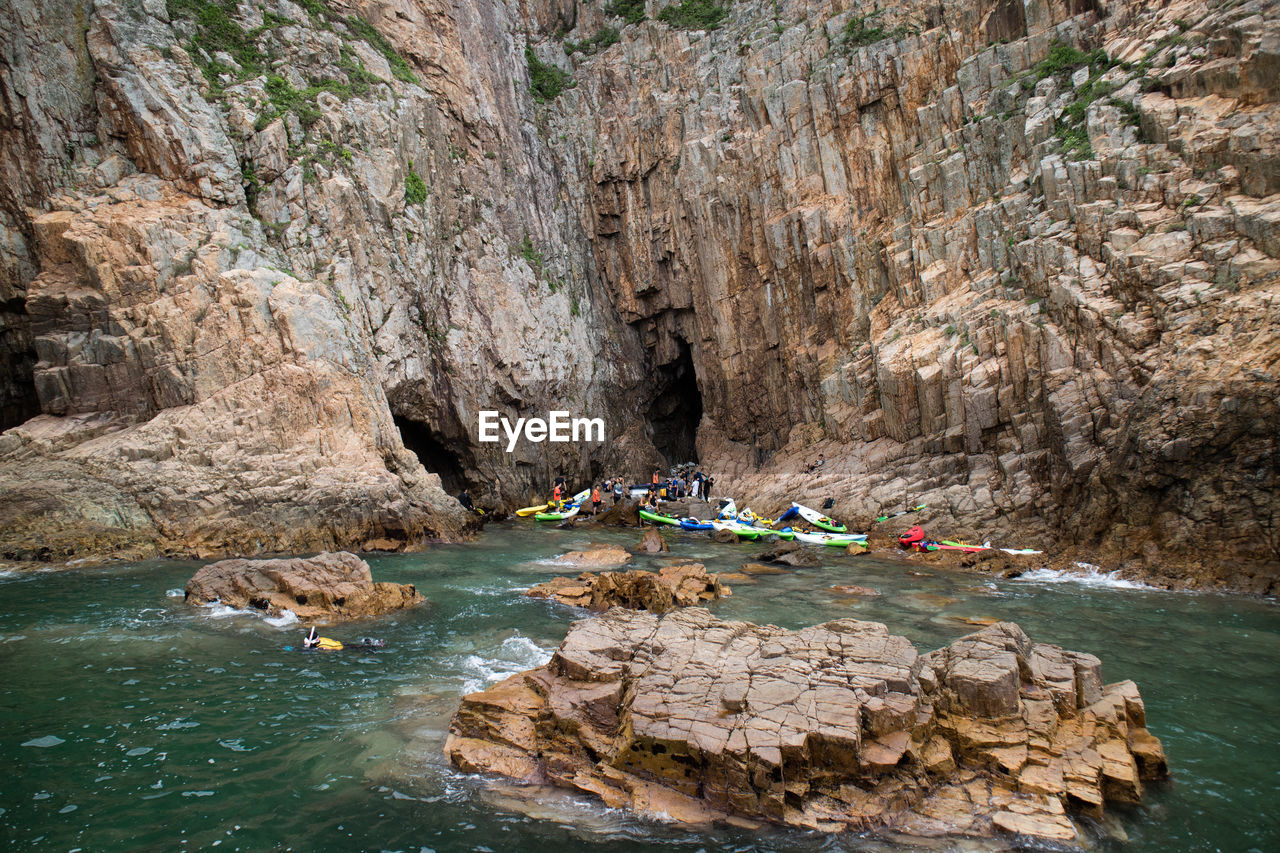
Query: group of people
{"points": [[683, 482]]}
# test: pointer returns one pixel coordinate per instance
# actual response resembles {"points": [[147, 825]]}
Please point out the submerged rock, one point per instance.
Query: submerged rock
{"points": [[834, 727], [680, 585], [326, 588], [598, 557], [790, 554]]}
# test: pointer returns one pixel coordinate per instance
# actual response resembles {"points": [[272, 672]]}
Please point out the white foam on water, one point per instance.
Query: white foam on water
{"points": [[177, 724], [1089, 575], [44, 742], [284, 620], [218, 610], [138, 750], [516, 654], [176, 592], [197, 793]]}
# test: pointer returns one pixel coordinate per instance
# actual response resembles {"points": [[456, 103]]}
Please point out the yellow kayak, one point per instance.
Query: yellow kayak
{"points": [[531, 510]]}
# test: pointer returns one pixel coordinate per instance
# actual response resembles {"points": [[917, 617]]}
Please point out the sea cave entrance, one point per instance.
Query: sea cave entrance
{"points": [[676, 410], [434, 452]]}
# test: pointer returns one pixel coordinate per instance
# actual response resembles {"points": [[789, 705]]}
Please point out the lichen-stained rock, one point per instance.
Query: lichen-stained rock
{"points": [[838, 726], [323, 589], [680, 585]]}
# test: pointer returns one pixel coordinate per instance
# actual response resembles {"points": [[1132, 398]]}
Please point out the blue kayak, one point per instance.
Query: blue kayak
{"points": [[694, 524]]}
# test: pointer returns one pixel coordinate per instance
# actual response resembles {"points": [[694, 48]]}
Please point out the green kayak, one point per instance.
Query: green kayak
{"points": [[659, 519]]}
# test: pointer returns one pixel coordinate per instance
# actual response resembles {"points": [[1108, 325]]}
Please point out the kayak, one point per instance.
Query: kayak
{"points": [[728, 511], [532, 510], [949, 545], [743, 531], [581, 496], [901, 513], [569, 512], [832, 540], [695, 524], [658, 518], [817, 519], [913, 536]]}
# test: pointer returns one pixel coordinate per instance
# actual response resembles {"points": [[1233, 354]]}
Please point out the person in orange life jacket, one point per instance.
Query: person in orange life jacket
{"points": [[556, 496], [595, 500], [656, 478]]}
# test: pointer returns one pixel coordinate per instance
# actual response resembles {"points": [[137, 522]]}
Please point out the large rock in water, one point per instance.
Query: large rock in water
{"points": [[838, 726], [682, 585], [322, 589]]}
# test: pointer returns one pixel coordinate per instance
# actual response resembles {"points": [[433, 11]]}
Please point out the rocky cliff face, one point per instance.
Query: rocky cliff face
{"points": [[1017, 261]]}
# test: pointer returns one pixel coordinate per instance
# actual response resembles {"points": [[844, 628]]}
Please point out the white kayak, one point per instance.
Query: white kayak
{"points": [[818, 519], [729, 510]]}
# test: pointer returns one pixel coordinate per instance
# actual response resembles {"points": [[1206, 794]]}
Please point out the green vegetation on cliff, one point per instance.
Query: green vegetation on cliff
{"points": [[694, 15], [857, 33], [632, 11], [598, 42], [546, 81], [217, 29], [415, 189]]}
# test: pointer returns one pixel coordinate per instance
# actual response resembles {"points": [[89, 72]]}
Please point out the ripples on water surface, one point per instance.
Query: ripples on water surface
{"points": [[133, 722]]}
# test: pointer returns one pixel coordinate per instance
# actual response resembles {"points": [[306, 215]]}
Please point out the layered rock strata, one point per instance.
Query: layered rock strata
{"points": [[680, 585], [327, 588], [1017, 261], [841, 726]]}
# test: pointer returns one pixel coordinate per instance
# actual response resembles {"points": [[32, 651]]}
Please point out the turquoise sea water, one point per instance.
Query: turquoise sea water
{"points": [[130, 721]]}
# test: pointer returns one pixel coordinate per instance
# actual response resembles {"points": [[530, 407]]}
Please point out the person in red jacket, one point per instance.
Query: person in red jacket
{"points": [[557, 496], [595, 500]]}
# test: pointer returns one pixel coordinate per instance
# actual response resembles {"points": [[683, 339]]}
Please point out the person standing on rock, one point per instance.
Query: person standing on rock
{"points": [[617, 491], [465, 500], [557, 496], [694, 486], [706, 485], [595, 500]]}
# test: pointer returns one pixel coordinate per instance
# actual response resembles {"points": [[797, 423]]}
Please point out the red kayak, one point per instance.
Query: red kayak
{"points": [[912, 537]]}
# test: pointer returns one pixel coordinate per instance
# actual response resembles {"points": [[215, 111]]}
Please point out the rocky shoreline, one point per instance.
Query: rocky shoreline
{"points": [[841, 726]]}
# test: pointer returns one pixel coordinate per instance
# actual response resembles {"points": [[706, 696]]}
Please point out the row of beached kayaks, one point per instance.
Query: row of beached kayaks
{"points": [[747, 525]]}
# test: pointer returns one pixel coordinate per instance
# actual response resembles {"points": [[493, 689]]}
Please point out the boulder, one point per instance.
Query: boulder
{"points": [[673, 586], [326, 588], [652, 542], [790, 554], [840, 726], [596, 557], [623, 514]]}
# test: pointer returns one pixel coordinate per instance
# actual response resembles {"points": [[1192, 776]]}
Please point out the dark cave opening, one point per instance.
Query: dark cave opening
{"points": [[676, 410], [434, 452], [18, 400]]}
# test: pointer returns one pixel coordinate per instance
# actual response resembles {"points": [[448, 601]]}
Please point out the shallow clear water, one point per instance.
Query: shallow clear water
{"points": [[130, 721]]}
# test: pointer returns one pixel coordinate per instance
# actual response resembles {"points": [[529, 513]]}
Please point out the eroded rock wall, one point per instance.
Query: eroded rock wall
{"points": [[971, 259]]}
